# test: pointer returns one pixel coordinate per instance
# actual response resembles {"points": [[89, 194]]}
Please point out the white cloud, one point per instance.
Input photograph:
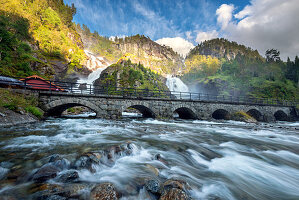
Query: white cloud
{"points": [[263, 24], [178, 44], [202, 36], [224, 13]]}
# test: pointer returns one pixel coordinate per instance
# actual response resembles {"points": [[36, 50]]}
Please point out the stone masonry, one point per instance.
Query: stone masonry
{"points": [[111, 107]]}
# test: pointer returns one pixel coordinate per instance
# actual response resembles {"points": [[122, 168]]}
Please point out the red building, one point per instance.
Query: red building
{"points": [[38, 83]]}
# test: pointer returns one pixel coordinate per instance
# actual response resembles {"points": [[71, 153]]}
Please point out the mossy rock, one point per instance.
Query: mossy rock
{"points": [[243, 117]]}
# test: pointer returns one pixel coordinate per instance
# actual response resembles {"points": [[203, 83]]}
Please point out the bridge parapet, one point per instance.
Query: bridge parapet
{"points": [[111, 107]]}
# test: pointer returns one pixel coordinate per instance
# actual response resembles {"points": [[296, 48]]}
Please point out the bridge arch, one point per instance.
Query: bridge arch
{"points": [[144, 110], [220, 114], [185, 113], [256, 114], [56, 108], [281, 116]]}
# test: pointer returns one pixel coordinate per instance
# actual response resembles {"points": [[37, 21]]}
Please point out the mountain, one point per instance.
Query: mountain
{"points": [[39, 37], [223, 48], [223, 67], [138, 48]]}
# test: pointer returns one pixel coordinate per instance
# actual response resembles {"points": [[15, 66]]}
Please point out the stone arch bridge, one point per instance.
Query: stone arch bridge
{"points": [[111, 107]]}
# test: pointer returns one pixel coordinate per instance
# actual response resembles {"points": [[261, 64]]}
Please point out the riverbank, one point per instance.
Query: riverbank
{"points": [[11, 118], [18, 107]]}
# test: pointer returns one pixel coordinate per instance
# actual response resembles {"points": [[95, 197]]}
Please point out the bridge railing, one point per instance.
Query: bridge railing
{"points": [[108, 90]]}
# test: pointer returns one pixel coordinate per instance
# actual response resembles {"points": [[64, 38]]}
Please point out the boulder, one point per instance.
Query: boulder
{"points": [[175, 190], [69, 176], [45, 173], [174, 194], [152, 186], [104, 191], [86, 160]]}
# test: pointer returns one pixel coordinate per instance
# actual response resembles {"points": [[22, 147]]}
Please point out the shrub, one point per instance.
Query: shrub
{"points": [[34, 110]]}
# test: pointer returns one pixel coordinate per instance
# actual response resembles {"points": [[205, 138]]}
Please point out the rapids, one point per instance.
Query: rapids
{"points": [[218, 159]]}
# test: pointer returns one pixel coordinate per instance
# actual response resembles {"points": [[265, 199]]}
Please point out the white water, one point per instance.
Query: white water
{"points": [[219, 160], [97, 65], [175, 84]]}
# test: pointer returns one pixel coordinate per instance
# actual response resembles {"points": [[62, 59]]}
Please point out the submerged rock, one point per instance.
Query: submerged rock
{"points": [[45, 173], [104, 191], [86, 160], [159, 157]]}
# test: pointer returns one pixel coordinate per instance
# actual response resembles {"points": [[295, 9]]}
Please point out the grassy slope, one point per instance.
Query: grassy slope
{"points": [[45, 26]]}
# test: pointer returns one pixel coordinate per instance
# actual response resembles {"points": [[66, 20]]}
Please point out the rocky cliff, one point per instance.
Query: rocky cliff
{"points": [[222, 48], [138, 48], [126, 74]]}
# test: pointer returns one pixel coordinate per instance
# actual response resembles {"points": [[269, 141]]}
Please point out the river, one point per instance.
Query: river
{"points": [[218, 159]]}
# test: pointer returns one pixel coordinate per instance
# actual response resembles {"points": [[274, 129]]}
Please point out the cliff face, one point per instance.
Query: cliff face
{"points": [[158, 58], [138, 48]]}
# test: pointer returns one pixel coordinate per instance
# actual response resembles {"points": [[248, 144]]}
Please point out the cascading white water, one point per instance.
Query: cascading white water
{"points": [[92, 76], [96, 64], [175, 84]]}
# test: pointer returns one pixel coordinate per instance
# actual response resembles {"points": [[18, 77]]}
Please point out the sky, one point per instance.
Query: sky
{"points": [[182, 24]]}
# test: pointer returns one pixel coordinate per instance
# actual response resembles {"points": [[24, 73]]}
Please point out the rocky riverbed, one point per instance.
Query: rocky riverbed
{"points": [[149, 159]]}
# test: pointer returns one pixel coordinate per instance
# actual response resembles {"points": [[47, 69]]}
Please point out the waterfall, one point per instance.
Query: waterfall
{"points": [[96, 64], [92, 76], [175, 84]]}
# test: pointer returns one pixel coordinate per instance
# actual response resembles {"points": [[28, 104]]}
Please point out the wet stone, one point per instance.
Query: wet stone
{"points": [[62, 164], [174, 194], [104, 191], [182, 185], [45, 173], [68, 176], [55, 157], [152, 186]]}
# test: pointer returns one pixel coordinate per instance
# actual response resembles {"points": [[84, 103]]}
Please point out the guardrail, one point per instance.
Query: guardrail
{"points": [[108, 90]]}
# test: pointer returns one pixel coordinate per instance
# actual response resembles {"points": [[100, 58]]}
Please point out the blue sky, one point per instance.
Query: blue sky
{"points": [[250, 22], [154, 18]]}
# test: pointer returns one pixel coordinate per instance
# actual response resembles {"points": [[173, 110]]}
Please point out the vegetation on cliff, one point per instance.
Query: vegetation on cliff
{"points": [[227, 68], [129, 75], [141, 49], [37, 36]]}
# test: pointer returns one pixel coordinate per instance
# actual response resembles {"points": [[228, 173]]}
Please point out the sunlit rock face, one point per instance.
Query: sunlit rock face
{"points": [[94, 62]]}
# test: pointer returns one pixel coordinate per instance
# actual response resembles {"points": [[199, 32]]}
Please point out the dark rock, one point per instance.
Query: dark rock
{"points": [[45, 173], [86, 160], [55, 157], [104, 191], [69, 176], [152, 186]]}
